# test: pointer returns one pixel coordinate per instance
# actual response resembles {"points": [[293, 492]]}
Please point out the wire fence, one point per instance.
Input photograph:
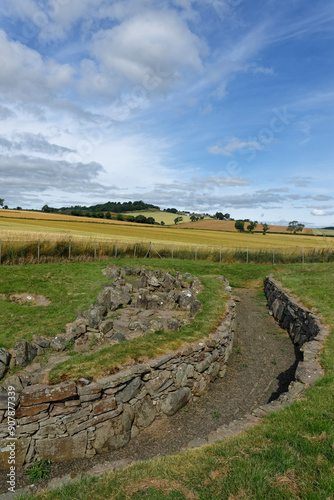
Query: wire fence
{"points": [[76, 249]]}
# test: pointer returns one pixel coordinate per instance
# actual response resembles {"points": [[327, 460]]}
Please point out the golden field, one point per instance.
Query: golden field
{"points": [[37, 226]]}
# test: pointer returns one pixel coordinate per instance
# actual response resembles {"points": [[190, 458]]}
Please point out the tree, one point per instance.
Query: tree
{"points": [[130, 218], [265, 228], [141, 219], [162, 223], [239, 226], [1, 201], [46, 208], [221, 216], [150, 220], [295, 226], [193, 218], [251, 226], [108, 215], [178, 219], [120, 217]]}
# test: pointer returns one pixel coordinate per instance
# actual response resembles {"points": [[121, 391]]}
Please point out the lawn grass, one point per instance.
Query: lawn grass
{"points": [[290, 455]]}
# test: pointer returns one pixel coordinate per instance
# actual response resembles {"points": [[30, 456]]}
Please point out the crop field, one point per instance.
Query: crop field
{"points": [[40, 228], [323, 232]]}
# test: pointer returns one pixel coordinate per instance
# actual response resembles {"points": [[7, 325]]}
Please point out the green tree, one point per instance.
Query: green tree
{"points": [[1, 201], [141, 219], [162, 223], [295, 227], [130, 218], [193, 218], [150, 220], [120, 217], [46, 208], [265, 228], [240, 226], [178, 219], [108, 215], [251, 226]]}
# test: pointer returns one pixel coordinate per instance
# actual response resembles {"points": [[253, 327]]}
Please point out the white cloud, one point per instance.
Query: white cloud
{"points": [[235, 144], [152, 41], [317, 212], [25, 75]]}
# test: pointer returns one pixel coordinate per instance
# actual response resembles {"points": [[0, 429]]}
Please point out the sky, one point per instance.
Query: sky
{"points": [[206, 106]]}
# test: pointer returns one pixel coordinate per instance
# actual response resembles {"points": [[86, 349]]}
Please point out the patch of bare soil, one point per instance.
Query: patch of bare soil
{"points": [[25, 299], [260, 368]]}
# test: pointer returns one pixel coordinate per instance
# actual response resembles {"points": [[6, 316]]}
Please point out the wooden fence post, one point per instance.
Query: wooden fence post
{"points": [[135, 250], [116, 250], [247, 257], [220, 255], [69, 250], [38, 250]]}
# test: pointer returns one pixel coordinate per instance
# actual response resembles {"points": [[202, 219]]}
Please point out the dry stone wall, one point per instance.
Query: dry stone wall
{"points": [[79, 419]]}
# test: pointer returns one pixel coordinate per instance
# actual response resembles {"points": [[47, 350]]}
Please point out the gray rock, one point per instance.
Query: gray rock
{"points": [[106, 326], [58, 343], [175, 401], [173, 324], [142, 301], [185, 300], [94, 317], [4, 356], [14, 381], [119, 337], [103, 298], [3, 369], [41, 341], [24, 352], [130, 391], [195, 307], [145, 412]]}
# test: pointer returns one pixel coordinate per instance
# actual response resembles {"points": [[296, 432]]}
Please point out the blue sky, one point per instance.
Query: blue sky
{"points": [[211, 105]]}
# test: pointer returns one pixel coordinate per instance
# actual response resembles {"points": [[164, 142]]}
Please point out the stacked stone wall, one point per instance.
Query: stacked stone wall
{"points": [[79, 419]]}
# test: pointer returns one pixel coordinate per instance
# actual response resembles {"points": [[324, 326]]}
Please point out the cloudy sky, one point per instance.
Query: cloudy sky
{"points": [[204, 105]]}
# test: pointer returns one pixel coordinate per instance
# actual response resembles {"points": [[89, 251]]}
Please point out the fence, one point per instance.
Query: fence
{"points": [[72, 249]]}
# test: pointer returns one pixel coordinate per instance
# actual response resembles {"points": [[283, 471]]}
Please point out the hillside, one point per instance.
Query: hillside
{"points": [[228, 225]]}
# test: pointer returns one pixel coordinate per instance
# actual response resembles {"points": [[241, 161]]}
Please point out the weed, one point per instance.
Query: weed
{"points": [[216, 415], [38, 470]]}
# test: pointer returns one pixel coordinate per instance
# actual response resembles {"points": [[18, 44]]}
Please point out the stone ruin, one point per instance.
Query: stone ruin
{"points": [[134, 303]]}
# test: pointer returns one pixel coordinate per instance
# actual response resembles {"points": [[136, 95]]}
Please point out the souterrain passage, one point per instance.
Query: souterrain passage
{"points": [[261, 367]]}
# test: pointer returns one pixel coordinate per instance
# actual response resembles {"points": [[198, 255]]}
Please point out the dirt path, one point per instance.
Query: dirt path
{"points": [[260, 368]]}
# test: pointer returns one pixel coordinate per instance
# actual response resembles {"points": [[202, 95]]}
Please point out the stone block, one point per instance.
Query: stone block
{"points": [[144, 412], [24, 352], [104, 405], [61, 449], [130, 391], [115, 433], [175, 401], [9, 447], [39, 393]]}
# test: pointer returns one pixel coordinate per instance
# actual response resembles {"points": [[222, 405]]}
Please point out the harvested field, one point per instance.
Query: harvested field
{"points": [[228, 225]]}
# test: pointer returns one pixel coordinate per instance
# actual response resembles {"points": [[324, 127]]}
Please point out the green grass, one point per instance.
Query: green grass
{"points": [[290, 455]]}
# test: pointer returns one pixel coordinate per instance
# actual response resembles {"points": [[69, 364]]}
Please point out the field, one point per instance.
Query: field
{"points": [[289, 455], [229, 225], [159, 216]]}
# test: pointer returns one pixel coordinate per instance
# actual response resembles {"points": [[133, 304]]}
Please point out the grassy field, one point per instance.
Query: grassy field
{"points": [[159, 216], [290, 455]]}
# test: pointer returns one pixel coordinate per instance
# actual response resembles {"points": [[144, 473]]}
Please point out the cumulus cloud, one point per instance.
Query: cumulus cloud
{"points": [[25, 75], [32, 143], [152, 41]]}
